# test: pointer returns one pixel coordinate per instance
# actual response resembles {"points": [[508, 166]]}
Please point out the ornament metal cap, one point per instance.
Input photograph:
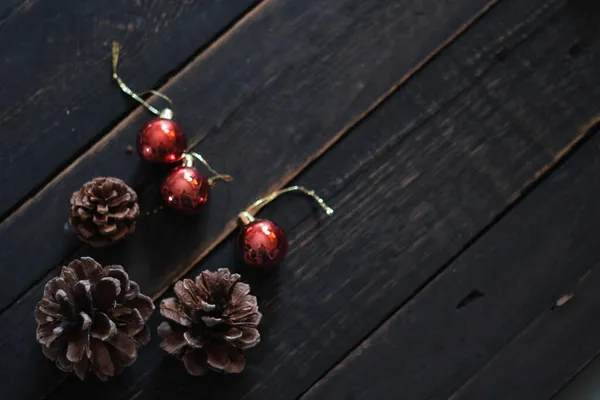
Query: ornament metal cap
{"points": [[244, 218], [167, 113]]}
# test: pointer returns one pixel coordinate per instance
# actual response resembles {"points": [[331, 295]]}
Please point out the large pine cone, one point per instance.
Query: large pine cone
{"points": [[103, 211], [211, 322], [92, 319]]}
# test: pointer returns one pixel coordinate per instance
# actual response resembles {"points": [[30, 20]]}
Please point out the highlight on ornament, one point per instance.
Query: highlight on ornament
{"points": [[210, 323], [261, 242], [162, 141], [186, 189], [92, 319]]}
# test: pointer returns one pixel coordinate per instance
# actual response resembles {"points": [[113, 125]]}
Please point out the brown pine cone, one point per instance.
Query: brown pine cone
{"points": [[92, 319], [103, 211], [210, 323]]}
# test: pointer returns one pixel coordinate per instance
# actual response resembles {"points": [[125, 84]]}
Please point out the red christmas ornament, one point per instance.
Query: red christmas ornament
{"points": [[262, 243], [161, 141], [186, 190]]}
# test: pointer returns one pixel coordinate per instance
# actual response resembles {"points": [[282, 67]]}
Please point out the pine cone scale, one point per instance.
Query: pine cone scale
{"points": [[188, 293], [64, 302], [105, 293], [103, 328], [143, 304], [132, 323], [171, 309], [116, 201], [49, 309], [143, 338], [133, 292], [233, 334], [53, 286], [82, 295], [84, 320], [81, 368], [173, 341], [45, 333], [101, 360], [124, 344], [193, 341], [117, 272], [195, 362], [76, 348], [217, 357]]}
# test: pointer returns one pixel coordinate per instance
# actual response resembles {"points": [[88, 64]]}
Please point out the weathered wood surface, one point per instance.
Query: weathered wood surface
{"points": [[564, 338], [57, 96], [251, 92], [519, 280], [426, 124]]}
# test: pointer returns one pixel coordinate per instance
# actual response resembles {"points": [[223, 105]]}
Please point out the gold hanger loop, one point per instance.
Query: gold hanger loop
{"points": [[247, 216], [188, 161], [116, 48]]}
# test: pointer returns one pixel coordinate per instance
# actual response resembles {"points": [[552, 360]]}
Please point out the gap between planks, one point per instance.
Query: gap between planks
{"points": [[531, 326], [103, 138], [587, 132], [575, 376], [230, 227], [204, 52]]}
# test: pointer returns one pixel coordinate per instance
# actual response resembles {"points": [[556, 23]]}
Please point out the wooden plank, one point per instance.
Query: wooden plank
{"points": [[546, 355], [526, 262], [251, 85], [428, 170], [553, 350], [584, 385], [57, 95], [245, 91]]}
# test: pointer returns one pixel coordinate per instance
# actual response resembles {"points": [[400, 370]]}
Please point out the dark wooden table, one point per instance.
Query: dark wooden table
{"points": [[455, 139]]}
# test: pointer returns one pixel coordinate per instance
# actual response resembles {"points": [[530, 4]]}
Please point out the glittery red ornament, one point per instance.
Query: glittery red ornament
{"points": [[186, 190], [263, 244], [161, 141]]}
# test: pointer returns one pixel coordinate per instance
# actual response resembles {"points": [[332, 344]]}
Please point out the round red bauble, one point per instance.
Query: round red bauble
{"points": [[186, 190], [263, 244], [161, 141]]}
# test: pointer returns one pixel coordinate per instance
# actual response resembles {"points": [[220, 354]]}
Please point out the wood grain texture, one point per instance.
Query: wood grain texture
{"points": [[251, 92], [521, 267], [547, 354], [57, 95], [582, 386], [428, 170], [245, 91]]}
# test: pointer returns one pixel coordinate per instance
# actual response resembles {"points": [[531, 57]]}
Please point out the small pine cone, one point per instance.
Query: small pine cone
{"points": [[92, 319], [103, 211], [210, 323]]}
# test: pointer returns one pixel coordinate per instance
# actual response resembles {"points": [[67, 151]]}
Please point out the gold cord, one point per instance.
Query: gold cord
{"points": [[248, 215], [127, 90], [188, 161]]}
